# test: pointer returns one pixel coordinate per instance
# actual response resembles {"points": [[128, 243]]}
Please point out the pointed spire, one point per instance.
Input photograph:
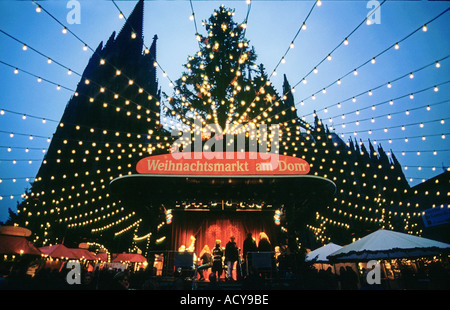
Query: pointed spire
{"points": [[288, 93], [357, 147], [132, 31], [153, 47], [363, 149], [373, 153]]}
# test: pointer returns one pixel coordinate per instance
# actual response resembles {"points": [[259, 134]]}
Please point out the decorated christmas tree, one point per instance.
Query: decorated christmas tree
{"points": [[224, 85]]}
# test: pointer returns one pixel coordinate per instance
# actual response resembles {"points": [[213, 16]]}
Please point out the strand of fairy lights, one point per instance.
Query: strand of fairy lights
{"points": [[389, 115], [149, 134], [91, 99], [390, 101], [69, 72], [303, 80], [291, 45], [244, 25], [372, 60], [102, 61], [388, 84]]}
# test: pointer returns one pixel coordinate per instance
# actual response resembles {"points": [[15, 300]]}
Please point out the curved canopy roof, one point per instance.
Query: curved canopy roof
{"points": [[268, 189]]}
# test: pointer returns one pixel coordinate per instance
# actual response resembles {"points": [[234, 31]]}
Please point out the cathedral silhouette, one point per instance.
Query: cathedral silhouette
{"points": [[114, 120]]}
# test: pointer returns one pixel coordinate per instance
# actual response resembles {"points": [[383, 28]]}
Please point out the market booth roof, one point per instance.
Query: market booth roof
{"points": [[13, 241], [17, 245], [84, 254], [128, 257], [58, 251], [320, 255], [387, 244], [270, 189]]}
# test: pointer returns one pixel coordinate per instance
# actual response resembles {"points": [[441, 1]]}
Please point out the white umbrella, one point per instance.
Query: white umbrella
{"points": [[386, 244], [320, 255]]}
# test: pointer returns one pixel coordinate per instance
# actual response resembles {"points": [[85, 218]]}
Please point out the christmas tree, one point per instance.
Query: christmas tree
{"points": [[224, 86]]}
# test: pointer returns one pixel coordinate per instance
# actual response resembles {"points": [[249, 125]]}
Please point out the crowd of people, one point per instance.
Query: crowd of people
{"points": [[226, 259], [284, 272]]}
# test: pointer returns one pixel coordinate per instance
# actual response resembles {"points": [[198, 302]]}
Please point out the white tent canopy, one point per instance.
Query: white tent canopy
{"points": [[386, 244], [320, 255]]}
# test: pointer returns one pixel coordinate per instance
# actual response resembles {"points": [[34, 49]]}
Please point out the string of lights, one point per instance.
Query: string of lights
{"points": [[291, 45], [372, 60], [102, 89], [388, 84], [92, 99], [104, 61], [39, 78], [303, 80]]}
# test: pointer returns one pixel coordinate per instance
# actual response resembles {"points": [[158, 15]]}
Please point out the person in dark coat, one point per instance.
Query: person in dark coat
{"points": [[231, 256], [264, 244], [248, 247], [217, 266]]}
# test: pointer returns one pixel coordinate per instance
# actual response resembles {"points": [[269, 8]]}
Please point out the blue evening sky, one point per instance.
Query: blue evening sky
{"points": [[272, 26]]}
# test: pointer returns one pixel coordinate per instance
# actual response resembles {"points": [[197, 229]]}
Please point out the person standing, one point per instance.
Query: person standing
{"points": [[231, 256], [264, 244], [217, 266], [248, 247]]}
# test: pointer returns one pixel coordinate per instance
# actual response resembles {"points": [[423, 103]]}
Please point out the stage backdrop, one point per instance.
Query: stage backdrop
{"points": [[206, 227]]}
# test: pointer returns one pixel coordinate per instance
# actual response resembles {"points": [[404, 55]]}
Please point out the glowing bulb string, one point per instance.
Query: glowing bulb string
{"points": [[65, 29], [302, 27], [39, 78], [12, 134], [339, 45], [26, 149], [249, 6], [325, 58], [91, 99], [388, 115], [372, 59], [388, 84], [374, 105], [105, 60], [391, 101], [25, 116], [78, 127], [51, 60], [386, 128], [195, 22]]}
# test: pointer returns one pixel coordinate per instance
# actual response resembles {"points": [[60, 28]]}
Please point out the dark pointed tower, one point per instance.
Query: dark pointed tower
{"points": [[108, 125]]}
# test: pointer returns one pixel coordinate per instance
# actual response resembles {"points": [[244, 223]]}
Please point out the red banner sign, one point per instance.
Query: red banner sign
{"points": [[228, 163]]}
